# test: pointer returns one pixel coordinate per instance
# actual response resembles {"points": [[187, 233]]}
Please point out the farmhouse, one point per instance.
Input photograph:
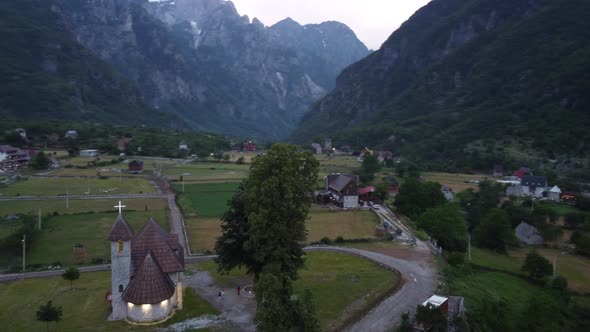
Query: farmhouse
{"points": [[136, 166], [555, 194], [344, 189], [147, 271], [12, 158], [317, 148], [366, 194], [89, 153], [71, 134]]}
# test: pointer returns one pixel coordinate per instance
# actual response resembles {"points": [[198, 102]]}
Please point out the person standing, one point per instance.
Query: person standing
{"points": [[239, 289]]}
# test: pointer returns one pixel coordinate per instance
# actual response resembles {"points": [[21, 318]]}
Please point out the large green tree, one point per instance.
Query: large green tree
{"points": [[264, 231], [494, 231], [446, 224], [40, 161], [415, 197]]}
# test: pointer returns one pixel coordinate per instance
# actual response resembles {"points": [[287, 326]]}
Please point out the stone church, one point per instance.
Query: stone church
{"points": [[147, 271]]}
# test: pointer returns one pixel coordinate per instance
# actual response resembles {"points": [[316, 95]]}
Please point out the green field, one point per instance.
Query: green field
{"points": [[78, 206], [475, 287], [575, 268], [455, 180], [204, 231], [208, 172], [336, 281], [335, 223], [84, 308], [206, 200], [59, 234], [56, 186]]}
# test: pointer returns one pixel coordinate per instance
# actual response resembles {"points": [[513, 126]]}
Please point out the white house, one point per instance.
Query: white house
{"points": [[555, 194]]}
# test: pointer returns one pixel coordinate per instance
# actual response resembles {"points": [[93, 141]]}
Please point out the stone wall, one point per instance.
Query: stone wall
{"points": [[144, 313], [120, 271]]}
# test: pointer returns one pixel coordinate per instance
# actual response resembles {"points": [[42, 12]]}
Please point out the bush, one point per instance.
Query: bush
{"points": [[325, 240], [339, 239], [456, 258]]}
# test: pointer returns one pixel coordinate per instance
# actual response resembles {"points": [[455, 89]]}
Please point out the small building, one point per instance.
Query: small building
{"points": [[528, 234], [345, 149], [135, 166], [89, 153], [438, 302], [522, 172], [498, 171], [555, 194], [530, 184], [328, 144], [366, 194], [183, 146], [447, 192], [12, 158], [249, 146], [344, 189], [317, 148], [72, 134]]}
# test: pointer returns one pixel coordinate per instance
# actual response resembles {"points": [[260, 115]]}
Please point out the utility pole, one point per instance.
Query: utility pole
{"points": [[24, 258], [39, 218], [469, 246]]}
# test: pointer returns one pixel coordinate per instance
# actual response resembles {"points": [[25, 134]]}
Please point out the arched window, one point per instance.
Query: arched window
{"points": [[120, 288], [120, 247]]}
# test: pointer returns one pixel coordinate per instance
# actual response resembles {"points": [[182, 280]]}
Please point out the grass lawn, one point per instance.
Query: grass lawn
{"points": [[575, 268], [60, 234], [77, 186], [212, 172], [455, 181], [203, 232], [348, 224], [515, 291], [560, 209], [84, 308], [207, 200], [336, 281], [78, 206]]}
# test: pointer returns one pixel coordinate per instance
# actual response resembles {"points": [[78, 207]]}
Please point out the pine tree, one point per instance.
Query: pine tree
{"points": [[48, 313]]}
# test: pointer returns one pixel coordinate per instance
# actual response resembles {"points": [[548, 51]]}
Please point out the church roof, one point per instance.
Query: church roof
{"points": [[164, 248], [149, 285], [121, 230]]}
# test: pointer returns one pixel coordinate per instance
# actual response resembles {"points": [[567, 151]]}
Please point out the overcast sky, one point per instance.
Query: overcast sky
{"points": [[372, 20]]}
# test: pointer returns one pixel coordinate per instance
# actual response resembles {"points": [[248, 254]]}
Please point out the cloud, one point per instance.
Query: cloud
{"points": [[373, 21]]}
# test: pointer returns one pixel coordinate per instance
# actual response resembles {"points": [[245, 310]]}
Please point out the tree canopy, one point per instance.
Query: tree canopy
{"points": [[446, 224], [71, 274], [494, 231], [537, 266], [49, 313], [415, 197]]}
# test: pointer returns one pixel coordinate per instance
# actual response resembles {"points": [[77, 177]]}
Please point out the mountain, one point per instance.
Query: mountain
{"points": [[468, 83], [46, 74], [198, 62]]}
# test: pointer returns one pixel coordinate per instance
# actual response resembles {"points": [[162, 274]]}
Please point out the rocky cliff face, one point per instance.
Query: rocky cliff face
{"points": [[203, 62], [461, 73]]}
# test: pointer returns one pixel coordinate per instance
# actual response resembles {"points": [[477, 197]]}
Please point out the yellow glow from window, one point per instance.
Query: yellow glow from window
{"points": [[130, 305], [163, 303], [146, 307]]}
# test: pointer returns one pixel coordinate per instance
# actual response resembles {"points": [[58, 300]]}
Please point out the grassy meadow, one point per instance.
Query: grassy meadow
{"points": [[55, 186], [208, 172], [59, 234], [455, 181], [78, 206], [84, 307], [575, 268], [336, 281]]}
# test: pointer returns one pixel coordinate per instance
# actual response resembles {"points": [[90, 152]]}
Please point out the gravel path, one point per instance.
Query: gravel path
{"points": [[174, 212]]}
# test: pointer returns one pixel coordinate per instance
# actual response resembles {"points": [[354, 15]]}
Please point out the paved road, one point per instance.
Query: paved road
{"points": [[418, 278], [62, 197]]}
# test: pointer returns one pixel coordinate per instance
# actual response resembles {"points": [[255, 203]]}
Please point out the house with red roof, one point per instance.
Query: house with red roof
{"points": [[146, 272]]}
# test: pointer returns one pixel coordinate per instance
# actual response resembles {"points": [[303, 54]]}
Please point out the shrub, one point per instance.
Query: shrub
{"points": [[339, 239], [456, 258], [325, 240]]}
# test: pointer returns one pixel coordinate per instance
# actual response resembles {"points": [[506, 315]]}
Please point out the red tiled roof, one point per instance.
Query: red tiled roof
{"points": [[167, 252], [149, 284], [369, 189], [121, 230]]}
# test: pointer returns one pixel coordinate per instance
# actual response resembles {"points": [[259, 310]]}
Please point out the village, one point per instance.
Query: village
{"points": [[58, 215]]}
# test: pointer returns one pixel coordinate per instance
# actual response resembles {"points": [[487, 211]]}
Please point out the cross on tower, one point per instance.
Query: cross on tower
{"points": [[120, 206]]}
